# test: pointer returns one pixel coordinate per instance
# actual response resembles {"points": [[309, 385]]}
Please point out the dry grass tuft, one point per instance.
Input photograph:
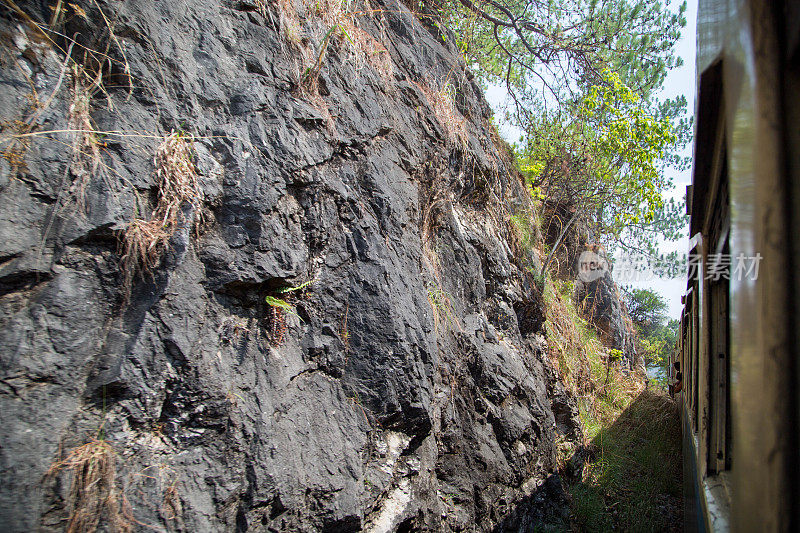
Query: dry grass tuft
{"points": [[437, 197], [141, 247], [443, 103], [344, 332], [522, 233], [16, 144], [310, 29], [178, 182], [340, 19], [365, 48], [171, 507], [93, 494], [86, 157], [442, 307], [14, 134], [89, 70], [568, 350], [178, 188]]}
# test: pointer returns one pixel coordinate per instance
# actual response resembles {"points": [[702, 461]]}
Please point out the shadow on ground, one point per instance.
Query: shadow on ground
{"points": [[629, 478], [632, 478]]}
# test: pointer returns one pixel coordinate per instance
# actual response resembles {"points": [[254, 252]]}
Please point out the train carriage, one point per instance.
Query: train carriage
{"points": [[738, 344]]}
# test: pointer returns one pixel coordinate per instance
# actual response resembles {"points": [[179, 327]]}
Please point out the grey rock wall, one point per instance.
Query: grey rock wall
{"points": [[410, 391], [599, 299], [601, 304]]}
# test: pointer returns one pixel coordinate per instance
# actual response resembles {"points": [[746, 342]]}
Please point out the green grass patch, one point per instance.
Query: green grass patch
{"points": [[633, 481]]}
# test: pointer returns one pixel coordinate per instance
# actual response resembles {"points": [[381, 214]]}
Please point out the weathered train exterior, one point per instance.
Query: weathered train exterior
{"points": [[738, 347]]}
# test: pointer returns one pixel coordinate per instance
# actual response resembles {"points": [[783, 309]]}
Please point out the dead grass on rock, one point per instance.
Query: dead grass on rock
{"points": [[86, 157], [89, 70], [16, 144], [311, 29], [144, 241], [178, 181], [443, 103], [141, 247], [340, 19], [587, 369], [93, 495]]}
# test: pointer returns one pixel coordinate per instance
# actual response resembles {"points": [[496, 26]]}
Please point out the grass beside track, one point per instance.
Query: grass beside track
{"points": [[633, 479]]}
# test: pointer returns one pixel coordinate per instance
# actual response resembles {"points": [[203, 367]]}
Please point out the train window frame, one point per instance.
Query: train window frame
{"points": [[710, 219], [715, 438]]}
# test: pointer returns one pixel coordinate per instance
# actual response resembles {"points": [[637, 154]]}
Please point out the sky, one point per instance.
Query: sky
{"points": [[679, 81]]}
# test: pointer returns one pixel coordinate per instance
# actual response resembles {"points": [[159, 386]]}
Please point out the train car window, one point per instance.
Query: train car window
{"points": [[718, 338], [695, 359], [710, 217], [719, 373]]}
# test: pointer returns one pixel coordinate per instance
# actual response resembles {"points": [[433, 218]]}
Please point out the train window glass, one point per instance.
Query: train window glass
{"points": [[719, 371], [719, 335], [694, 358]]}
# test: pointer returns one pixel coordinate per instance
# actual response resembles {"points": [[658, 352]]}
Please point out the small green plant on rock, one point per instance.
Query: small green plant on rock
{"points": [[441, 305], [279, 304], [278, 308]]}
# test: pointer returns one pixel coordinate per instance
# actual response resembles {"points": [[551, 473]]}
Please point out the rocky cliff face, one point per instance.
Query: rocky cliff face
{"points": [[598, 298], [601, 304], [405, 388]]}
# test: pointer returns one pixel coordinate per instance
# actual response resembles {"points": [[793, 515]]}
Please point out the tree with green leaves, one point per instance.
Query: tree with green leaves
{"points": [[583, 75], [572, 41], [657, 347], [657, 335], [647, 309], [604, 161], [668, 337]]}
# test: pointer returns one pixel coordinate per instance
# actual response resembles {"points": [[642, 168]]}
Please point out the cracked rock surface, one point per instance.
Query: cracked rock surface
{"points": [[407, 389]]}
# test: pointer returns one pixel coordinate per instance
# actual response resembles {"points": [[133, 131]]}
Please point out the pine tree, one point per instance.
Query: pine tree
{"points": [[584, 77]]}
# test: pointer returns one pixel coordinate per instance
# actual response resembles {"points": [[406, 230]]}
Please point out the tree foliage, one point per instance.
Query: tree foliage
{"points": [[583, 76], [657, 347], [647, 309], [657, 334], [605, 159], [565, 45]]}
